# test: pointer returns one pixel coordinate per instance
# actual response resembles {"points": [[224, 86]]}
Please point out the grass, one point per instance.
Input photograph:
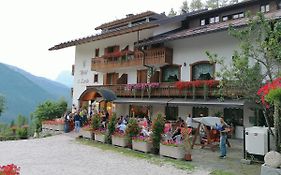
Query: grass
{"points": [[154, 159], [220, 172]]}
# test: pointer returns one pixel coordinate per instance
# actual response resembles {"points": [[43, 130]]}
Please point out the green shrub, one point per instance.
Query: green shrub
{"points": [[157, 131], [111, 127], [96, 122], [132, 129], [22, 133]]}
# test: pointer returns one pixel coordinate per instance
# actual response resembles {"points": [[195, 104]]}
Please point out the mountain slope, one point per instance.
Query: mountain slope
{"points": [[23, 91], [65, 78], [53, 87]]}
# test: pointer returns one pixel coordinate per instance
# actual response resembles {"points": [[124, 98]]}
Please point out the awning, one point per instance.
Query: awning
{"points": [[144, 101], [214, 102], [93, 93]]}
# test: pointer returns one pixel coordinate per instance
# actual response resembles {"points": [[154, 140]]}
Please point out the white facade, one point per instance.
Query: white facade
{"points": [[84, 76]]}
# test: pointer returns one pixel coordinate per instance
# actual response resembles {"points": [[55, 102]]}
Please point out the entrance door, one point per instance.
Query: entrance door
{"points": [[111, 78], [142, 76]]}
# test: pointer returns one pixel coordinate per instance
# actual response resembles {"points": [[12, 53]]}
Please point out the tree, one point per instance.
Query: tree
{"points": [[216, 3], [50, 110], [2, 104], [184, 7], [196, 5], [259, 45], [21, 121], [172, 13]]}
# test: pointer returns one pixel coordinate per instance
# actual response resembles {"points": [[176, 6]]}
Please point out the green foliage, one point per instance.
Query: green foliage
{"points": [[96, 122], [196, 5], [184, 7], [172, 13], [157, 131], [22, 133], [273, 95], [2, 104], [132, 129], [111, 127], [21, 121], [50, 110]]}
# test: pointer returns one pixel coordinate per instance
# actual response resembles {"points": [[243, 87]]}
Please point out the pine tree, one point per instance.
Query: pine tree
{"points": [[172, 13], [184, 7], [196, 5], [217, 3]]}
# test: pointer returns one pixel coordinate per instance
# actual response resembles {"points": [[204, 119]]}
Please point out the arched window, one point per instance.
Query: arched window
{"points": [[202, 70], [170, 73]]}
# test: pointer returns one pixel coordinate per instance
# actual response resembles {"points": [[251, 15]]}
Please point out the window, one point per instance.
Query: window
{"points": [[203, 22], [171, 112], [214, 19], [202, 71], [265, 8], [225, 18], [96, 78], [217, 19], [233, 16], [233, 116], [97, 52], [170, 73], [236, 16], [200, 112]]}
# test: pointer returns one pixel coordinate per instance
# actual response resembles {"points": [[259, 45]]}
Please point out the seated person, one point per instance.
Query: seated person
{"points": [[167, 127], [176, 133], [121, 127], [144, 132]]}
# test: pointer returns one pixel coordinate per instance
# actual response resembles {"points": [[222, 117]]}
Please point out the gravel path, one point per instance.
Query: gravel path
{"points": [[59, 155]]}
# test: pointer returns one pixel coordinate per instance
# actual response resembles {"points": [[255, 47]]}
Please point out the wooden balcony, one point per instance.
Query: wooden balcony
{"points": [[156, 57], [170, 90]]}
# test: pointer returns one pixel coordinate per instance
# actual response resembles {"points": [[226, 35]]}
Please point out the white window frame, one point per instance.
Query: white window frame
{"points": [[225, 18], [203, 22], [212, 20], [217, 19]]}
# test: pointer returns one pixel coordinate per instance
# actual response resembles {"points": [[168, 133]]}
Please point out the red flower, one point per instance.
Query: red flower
{"points": [[9, 170], [264, 90]]}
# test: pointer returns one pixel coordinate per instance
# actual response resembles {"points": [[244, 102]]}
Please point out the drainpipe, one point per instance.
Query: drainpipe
{"points": [[143, 60]]}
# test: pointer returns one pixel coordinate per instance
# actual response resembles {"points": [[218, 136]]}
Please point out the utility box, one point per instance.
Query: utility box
{"points": [[257, 140]]}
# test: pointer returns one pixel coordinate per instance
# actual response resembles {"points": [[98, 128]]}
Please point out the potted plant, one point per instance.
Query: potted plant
{"points": [[111, 128], [141, 143], [157, 131], [120, 139], [172, 149], [87, 132], [132, 129]]}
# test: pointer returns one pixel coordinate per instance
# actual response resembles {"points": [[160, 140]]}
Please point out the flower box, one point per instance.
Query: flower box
{"points": [[119, 140], [100, 137], [143, 146], [174, 151], [87, 134]]}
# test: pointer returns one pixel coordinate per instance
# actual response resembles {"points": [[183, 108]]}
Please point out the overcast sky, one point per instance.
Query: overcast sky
{"points": [[29, 27]]}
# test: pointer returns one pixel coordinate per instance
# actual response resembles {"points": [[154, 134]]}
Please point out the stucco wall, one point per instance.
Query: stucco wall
{"points": [[191, 50]]}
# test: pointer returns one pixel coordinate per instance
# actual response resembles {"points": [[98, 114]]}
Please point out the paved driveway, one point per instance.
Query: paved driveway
{"points": [[59, 155]]}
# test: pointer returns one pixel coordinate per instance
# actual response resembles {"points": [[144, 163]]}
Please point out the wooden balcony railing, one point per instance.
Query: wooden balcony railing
{"points": [[157, 56], [170, 90]]}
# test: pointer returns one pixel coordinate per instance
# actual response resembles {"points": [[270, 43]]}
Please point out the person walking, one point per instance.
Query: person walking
{"points": [[224, 129], [77, 121]]}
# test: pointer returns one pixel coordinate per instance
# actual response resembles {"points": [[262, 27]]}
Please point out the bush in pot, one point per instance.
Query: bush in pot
{"points": [[111, 127], [157, 131], [132, 129]]}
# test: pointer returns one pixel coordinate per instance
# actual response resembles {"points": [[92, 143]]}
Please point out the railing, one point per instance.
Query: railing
{"points": [[157, 56], [170, 90]]}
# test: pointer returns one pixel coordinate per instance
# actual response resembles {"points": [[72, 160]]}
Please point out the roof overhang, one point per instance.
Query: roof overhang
{"points": [[94, 93], [102, 36]]}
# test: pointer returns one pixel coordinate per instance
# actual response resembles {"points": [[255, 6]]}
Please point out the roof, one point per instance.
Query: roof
{"points": [[203, 29], [127, 19], [102, 36]]}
